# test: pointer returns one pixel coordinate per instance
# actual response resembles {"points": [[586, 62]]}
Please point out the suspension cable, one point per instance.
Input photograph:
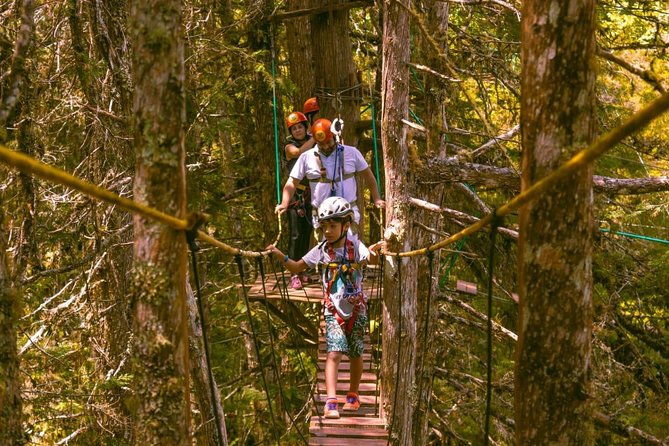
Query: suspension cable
{"points": [[221, 431], [426, 326], [261, 269], [496, 222], [240, 267], [399, 346]]}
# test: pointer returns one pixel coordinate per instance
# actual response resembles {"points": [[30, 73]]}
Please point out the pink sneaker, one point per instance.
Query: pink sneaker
{"points": [[295, 282], [304, 278]]}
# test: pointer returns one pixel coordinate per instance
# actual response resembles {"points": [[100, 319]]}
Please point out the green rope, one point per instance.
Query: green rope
{"points": [[637, 236], [276, 125], [376, 150], [415, 117], [451, 262], [415, 76]]}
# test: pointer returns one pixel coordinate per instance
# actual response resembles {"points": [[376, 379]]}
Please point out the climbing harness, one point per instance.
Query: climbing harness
{"points": [[346, 273]]}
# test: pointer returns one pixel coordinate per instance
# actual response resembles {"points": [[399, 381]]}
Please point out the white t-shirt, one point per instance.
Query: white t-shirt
{"points": [[307, 166], [319, 255]]}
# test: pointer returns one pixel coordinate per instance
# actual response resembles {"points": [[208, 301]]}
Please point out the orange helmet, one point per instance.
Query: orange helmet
{"points": [[296, 118], [321, 130], [311, 105]]}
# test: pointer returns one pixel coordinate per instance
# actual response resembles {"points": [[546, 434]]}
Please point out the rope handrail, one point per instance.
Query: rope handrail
{"points": [[636, 122], [29, 165]]}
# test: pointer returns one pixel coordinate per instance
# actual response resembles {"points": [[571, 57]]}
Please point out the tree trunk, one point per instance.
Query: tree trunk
{"points": [[556, 231], [435, 115], [334, 69], [399, 300], [160, 362], [11, 431], [261, 153], [300, 57]]}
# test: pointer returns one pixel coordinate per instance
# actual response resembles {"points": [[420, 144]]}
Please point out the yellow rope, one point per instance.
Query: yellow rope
{"points": [[635, 123], [31, 166]]}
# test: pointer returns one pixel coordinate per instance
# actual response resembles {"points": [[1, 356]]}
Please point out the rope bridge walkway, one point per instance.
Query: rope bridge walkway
{"points": [[364, 427]]}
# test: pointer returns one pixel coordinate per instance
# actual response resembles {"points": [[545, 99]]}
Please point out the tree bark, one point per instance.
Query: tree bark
{"points": [[451, 170], [556, 231], [11, 415], [427, 307], [300, 57], [399, 283], [160, 354], [334, 69]]}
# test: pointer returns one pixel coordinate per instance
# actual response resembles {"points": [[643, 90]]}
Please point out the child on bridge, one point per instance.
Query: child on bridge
{"points": [[345, 305]]}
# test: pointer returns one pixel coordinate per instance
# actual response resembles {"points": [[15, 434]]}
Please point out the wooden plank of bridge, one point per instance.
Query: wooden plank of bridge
{"points": [[361, 428], [277, 286]]}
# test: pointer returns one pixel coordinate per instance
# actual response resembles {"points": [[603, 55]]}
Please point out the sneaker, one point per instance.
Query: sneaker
{"points": [[352, 402], [295, 282], [330, 410], [304, 278]]}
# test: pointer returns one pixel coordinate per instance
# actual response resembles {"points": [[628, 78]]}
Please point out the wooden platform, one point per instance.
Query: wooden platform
{"points": [[362, 428], [278, 287]]}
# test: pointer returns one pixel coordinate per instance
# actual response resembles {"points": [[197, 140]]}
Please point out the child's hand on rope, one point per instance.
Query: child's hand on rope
{"points": [[377, 247]]}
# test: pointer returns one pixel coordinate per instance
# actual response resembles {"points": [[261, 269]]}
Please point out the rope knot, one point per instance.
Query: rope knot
{"points": [[195, 220]]}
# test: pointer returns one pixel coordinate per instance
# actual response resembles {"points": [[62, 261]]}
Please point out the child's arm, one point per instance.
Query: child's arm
{"points": [[374, 252], [294, 266]]}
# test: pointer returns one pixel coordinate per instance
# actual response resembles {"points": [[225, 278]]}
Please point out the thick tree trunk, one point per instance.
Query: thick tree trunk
{"points": [[556, 231], [334, 69], [160, 362], [300, 57], [399, 300], [261, 153]]}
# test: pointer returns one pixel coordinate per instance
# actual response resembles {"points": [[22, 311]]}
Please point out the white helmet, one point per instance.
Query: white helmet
{"points": [[334, 207]]}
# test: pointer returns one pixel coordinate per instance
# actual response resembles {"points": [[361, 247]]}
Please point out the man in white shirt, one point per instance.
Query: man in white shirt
{"points": [[330, 169]]}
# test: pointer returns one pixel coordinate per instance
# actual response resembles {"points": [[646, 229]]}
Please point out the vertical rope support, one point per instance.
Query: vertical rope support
{"points": [[494, 224], [240, 267], [276, 126], [399, 345], [277, 370], [376, 150], [221, 437], [428, 304]]}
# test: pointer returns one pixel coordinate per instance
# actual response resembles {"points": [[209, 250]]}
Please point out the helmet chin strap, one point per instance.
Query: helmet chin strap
{"points": [[343, 234]]}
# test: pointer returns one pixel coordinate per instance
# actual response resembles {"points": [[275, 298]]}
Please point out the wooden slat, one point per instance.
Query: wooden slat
{"points": [[363, 389], [346, 377], [325, 441], [348, 432], [363, 412], [354, 422], [366, 400]]}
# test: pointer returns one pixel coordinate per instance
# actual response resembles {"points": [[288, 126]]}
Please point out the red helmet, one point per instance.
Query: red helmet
{"points": [[311, 105], [321, 130], [296, 118]]}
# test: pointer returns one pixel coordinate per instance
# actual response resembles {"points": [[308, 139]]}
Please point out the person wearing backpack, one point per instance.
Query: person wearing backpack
{"points": [[299, 207], [330, 169], [345, 304]]}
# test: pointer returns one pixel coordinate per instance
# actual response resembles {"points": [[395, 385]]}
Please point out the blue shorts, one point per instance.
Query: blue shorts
{"points": [[338, 341]]}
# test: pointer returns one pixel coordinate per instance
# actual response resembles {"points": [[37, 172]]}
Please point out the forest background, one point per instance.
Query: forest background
{"points": [[67, 279]]}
